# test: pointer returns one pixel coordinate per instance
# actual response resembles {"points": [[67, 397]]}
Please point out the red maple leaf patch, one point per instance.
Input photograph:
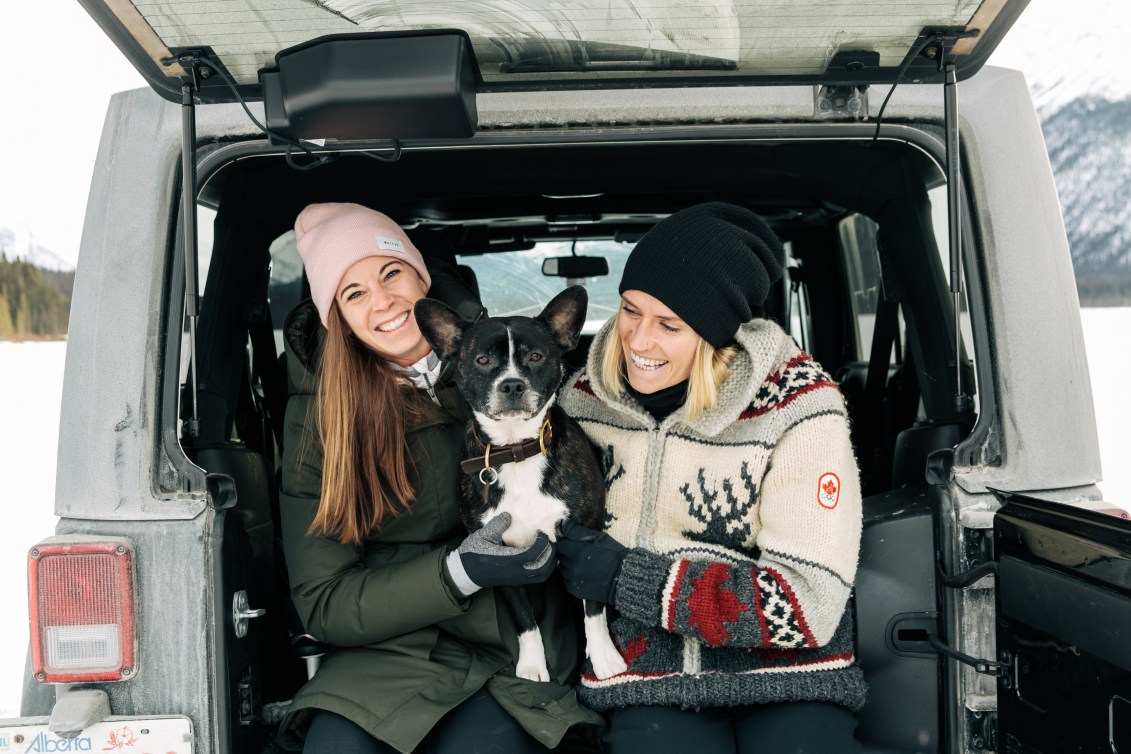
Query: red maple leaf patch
{"points": [[828, 490], [712, 607]]}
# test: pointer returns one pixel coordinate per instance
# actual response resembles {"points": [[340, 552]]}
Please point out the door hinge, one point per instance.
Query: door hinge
{"points": [[983, 730], [247, 701]]}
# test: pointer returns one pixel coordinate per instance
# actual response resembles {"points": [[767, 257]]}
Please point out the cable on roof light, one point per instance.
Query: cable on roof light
{"points": [[318, 160], [941, 38]]}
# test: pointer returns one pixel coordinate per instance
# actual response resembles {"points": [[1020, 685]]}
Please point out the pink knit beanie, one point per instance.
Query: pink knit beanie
{"points": [[331, 237]]}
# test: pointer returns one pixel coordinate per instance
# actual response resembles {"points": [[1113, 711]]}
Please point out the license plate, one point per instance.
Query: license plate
{"points": [[128, 735]]}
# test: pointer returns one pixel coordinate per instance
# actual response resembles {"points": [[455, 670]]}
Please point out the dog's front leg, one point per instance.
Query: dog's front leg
{"points": [[599, 647], [531, 654]]}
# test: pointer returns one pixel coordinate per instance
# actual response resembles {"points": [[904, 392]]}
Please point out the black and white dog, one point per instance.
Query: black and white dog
{"points": [[524, 455]]}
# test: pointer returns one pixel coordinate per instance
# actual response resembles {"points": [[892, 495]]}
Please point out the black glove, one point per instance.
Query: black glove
{"points": [[483, 559], [590, 562]]}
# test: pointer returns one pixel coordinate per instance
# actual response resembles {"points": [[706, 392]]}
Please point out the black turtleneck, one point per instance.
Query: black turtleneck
{"points": [[661, 403]]}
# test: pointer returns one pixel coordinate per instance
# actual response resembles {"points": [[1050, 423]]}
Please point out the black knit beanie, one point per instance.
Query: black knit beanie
{"points": [[712, 264]]}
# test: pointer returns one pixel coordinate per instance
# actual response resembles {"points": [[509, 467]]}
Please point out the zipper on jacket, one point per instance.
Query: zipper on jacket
{"points": [[645, 537]]}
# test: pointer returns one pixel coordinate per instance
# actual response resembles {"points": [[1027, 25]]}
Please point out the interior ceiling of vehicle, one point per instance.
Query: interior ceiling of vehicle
{"points": [[504, 197]]}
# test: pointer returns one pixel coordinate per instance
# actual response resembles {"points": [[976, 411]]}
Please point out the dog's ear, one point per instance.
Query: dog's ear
{"points": [[440, 325], [565, 316]]}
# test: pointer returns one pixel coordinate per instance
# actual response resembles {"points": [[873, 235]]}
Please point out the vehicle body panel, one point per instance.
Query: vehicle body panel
{"points": [[113, 364], [1019, 226]]}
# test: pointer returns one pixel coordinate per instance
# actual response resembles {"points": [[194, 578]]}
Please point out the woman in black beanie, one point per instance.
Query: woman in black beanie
{"points": [[733, 501]]}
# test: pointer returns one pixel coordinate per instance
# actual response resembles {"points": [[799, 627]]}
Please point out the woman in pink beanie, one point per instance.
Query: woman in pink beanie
{"points": [[370, 515]]}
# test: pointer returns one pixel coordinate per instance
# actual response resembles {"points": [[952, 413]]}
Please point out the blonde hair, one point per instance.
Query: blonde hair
{"points": [[709, 369], [362, 408]]}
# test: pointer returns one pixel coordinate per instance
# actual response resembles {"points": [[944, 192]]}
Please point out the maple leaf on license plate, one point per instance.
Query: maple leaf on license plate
{"points": [[136, 735]]}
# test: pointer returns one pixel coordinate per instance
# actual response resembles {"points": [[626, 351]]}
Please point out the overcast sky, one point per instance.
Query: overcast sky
{"points": [[57, 71]]}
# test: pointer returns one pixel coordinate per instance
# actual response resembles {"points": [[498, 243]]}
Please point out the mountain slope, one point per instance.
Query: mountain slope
{"points": [[23, 246], [1086, 139]]}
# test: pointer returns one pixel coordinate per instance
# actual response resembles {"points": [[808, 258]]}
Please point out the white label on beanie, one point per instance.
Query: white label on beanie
{"points": [[385, 242]]}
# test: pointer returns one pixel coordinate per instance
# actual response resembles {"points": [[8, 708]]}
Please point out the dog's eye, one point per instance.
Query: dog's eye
{"points": [[482, 361], [535, 357]]}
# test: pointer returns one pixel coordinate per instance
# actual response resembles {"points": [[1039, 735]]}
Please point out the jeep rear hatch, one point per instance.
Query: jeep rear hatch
{"points": [[578, 43]]}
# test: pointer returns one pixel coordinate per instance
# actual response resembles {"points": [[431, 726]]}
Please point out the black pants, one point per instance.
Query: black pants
{"points": [[478, 726], [794, 728]]}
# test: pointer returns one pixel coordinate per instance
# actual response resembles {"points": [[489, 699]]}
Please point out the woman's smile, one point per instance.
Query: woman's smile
{"points": [[646, 364], [394, 324]]}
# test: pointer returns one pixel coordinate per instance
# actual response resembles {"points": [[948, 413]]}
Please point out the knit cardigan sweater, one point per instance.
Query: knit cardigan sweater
{"points": [[745, 530]]}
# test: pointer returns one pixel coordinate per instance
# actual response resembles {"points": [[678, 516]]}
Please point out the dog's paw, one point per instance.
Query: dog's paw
{"points": [[532, 671], [599, 647], [606, 660], [531, 663]]}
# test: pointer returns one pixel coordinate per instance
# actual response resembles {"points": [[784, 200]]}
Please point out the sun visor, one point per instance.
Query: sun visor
{"points": [[354, 87]]}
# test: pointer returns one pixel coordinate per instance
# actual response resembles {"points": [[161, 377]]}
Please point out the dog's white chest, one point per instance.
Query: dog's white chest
{"points": [[531, 510]]}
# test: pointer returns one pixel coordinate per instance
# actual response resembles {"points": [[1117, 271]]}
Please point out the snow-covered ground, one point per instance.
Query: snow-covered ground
{"points": [[1109, 362], [31, 384], [31, 379]]}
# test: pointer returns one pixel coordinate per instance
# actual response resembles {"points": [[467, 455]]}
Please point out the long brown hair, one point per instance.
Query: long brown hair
{"points": [[709, 369], [362, 408]]}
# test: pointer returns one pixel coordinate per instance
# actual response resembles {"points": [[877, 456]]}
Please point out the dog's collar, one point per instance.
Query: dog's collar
{"points": [[486, 463]]}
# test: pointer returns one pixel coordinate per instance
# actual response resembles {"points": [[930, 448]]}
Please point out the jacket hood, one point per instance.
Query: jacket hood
{"points": [[764, 347], [304, 337]]}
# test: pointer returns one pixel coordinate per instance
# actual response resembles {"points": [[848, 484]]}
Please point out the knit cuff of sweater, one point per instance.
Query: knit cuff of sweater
{"points": [[640, 585]]}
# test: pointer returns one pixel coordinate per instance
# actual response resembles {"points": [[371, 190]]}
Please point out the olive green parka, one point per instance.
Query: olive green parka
{"points": [[405, 649]]}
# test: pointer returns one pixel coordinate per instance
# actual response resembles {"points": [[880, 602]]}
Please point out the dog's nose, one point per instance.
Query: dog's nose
{"points": [[512, 386]]}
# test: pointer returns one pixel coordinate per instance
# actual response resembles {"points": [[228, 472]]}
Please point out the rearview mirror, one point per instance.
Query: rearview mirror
{"points": [[575, 267]]}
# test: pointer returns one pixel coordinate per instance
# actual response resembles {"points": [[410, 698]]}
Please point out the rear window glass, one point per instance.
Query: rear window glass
{"points": [[587, 39], [511, 283]]}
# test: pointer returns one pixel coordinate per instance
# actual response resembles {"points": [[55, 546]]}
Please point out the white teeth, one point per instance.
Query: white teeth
{"points": [[390, 326], [647, 364]]}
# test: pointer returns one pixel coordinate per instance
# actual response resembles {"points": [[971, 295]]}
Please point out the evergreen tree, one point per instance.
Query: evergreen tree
{"points": [[7, 326], [32, 303], [23, 316]]}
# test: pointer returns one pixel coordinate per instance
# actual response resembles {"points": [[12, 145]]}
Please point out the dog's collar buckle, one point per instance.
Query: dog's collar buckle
{"points": [[488, 475]]}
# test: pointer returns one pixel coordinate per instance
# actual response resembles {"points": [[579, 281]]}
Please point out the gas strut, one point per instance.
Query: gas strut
{"points": [[954, 217], [944, 42], [189, 61]]}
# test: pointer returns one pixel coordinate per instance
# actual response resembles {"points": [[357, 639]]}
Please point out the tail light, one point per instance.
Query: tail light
{"points": [[81, 605]]}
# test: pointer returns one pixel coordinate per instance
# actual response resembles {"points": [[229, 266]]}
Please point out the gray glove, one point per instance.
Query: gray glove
{"points": [[483, 559]]}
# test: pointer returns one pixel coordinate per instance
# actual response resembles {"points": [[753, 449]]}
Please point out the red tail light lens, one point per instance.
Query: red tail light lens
{"points": [[81, 606]]}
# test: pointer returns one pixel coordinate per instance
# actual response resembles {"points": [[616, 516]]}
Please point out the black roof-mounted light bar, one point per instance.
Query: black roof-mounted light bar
{"points": [[353, 87]]}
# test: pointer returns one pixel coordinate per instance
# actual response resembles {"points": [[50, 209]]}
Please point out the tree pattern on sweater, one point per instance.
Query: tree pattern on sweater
{"points": [[727, 522], [613, 472]]}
